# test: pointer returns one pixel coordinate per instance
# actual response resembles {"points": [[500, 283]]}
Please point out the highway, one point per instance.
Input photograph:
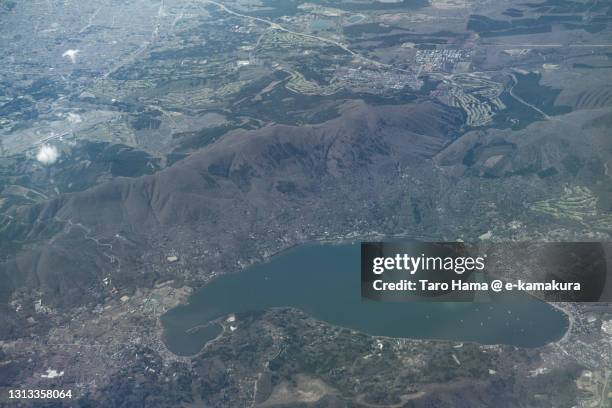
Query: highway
{"points": [[277, 26]]}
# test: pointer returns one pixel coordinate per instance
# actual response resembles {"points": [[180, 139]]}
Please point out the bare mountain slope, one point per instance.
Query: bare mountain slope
{"points": [[276, 184]]}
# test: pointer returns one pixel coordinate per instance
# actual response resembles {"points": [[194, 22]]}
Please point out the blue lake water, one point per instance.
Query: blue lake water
{"points": [[324, 281]]}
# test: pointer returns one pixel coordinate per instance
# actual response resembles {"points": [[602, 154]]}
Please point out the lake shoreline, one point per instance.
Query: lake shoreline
{"points": [[365, 319]]}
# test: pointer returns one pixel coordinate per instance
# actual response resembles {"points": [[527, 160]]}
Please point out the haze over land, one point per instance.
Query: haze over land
{"points": [[149, 147]]}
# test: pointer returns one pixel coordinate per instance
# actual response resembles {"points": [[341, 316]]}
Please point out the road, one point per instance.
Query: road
{"points": [[518, 98], [279, 27]]}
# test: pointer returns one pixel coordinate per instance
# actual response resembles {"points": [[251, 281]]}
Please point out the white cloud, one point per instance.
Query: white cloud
{"points": [[72, 54], [47, 154], [74, 118]]}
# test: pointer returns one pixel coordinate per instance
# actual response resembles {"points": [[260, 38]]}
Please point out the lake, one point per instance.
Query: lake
{"points": [[324, 281]]}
